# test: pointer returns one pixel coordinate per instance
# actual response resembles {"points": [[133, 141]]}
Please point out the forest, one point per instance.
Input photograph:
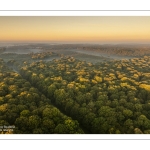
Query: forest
{"points": [[67, 95]]}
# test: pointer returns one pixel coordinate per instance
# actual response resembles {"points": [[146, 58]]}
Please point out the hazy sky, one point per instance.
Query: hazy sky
{"points": [[75, 29]]}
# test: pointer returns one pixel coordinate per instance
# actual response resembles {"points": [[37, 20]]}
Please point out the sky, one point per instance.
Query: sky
{"points": [[100, 29]]}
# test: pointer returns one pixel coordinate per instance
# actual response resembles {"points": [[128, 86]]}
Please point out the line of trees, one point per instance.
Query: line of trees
{"points": [[119, 50], [30, 111]]}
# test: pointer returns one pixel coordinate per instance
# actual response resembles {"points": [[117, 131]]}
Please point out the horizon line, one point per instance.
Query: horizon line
{"points": [[72, 42]]}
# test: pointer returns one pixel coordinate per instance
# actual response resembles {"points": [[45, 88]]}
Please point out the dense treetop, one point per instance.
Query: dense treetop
{"points": [[23, 106], [110, 97], [66, 94]]}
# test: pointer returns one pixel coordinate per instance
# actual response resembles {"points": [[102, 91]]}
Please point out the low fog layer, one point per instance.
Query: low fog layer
{"points": [[25, 51]]}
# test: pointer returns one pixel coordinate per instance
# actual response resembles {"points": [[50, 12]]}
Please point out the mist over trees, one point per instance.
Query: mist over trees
{"points": [[69, 96]]}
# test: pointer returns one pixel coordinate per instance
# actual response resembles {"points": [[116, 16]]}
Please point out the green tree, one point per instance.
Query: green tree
{"points": [[127, 113], [34, 122], [22, 124], [48, 125], [142, 122], [25, 113], [60, 129]]}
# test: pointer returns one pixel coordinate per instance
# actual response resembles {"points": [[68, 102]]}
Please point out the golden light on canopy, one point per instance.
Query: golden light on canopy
{"points": [[75, 29]]}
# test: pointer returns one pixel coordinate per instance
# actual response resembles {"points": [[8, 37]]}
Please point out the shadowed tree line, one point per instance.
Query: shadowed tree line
{"points": [[23, 106]]}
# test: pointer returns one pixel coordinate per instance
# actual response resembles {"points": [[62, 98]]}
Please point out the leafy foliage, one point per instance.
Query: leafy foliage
{"points": [[64, 94]]}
